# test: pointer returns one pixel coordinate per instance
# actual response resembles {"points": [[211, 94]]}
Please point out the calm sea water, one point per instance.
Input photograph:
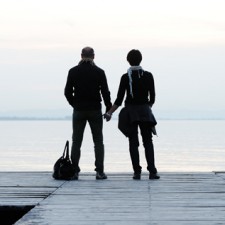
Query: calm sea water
{"points": [[180, 146]]}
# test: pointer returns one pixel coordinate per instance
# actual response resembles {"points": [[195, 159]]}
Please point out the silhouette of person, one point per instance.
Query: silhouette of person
{"points": [[139, 87], [86, 84]]}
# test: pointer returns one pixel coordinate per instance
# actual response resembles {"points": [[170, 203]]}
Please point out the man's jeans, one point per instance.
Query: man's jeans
{"points": [[95, 120]]}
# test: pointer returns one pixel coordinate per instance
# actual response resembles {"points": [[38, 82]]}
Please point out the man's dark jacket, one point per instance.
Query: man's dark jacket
{"points": [[85, 85]]}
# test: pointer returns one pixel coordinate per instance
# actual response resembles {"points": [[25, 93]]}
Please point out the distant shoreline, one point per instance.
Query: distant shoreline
{"points": [[34, 118], [70, 118]]}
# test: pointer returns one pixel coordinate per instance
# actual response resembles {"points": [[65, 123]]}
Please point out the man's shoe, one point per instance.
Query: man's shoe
{"points": [[137, 176], [153, 176], [75, 176], [100, 176]]}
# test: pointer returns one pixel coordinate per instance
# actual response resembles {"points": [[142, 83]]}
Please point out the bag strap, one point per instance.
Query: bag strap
{"points": [[66, 150]]}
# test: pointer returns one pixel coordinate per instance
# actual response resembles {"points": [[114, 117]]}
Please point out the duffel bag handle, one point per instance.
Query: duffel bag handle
{"points": [[66, 150]]}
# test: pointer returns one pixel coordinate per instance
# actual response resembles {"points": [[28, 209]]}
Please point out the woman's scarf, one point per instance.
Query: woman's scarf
{"points": [[129, 71]]}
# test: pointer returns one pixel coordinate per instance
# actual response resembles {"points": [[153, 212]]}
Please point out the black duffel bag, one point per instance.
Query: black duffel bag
{"points": [[63, 168]]}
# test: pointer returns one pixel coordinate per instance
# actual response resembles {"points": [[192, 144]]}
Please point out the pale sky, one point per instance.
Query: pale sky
{"points": [[182, 42]]}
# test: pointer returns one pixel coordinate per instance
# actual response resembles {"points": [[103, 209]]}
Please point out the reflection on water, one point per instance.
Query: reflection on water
{"points": [[180, 146]]}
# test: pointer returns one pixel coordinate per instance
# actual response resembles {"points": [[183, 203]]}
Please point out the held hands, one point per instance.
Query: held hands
{"points": [[109, 111], [107, 116]]}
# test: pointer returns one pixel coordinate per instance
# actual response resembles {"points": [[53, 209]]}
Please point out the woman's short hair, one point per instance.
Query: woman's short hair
{"points": [[134, 57]]}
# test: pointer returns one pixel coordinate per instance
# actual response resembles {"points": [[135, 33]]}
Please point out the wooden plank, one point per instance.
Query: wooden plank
{"points": [[177, 198], [26, 188], [220, 174]]}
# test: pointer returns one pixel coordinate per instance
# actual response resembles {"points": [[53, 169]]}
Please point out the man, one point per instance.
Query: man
{"points": [[85, 85]]}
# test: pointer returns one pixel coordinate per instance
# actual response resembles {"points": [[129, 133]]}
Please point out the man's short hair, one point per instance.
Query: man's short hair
{"points": [[87, 52], [134, 57]]}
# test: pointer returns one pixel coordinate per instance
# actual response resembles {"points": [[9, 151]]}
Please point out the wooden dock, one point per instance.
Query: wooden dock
{"points": [[175, 199]]}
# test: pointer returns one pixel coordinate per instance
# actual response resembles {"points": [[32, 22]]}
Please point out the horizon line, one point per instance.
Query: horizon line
{"points": [[17, 118]]}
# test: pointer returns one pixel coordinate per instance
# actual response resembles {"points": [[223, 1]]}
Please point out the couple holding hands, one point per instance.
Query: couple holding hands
{"points": [[86, 86]]}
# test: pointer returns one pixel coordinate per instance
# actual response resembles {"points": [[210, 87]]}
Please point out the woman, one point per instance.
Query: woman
{"points": [[140, 96]]}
